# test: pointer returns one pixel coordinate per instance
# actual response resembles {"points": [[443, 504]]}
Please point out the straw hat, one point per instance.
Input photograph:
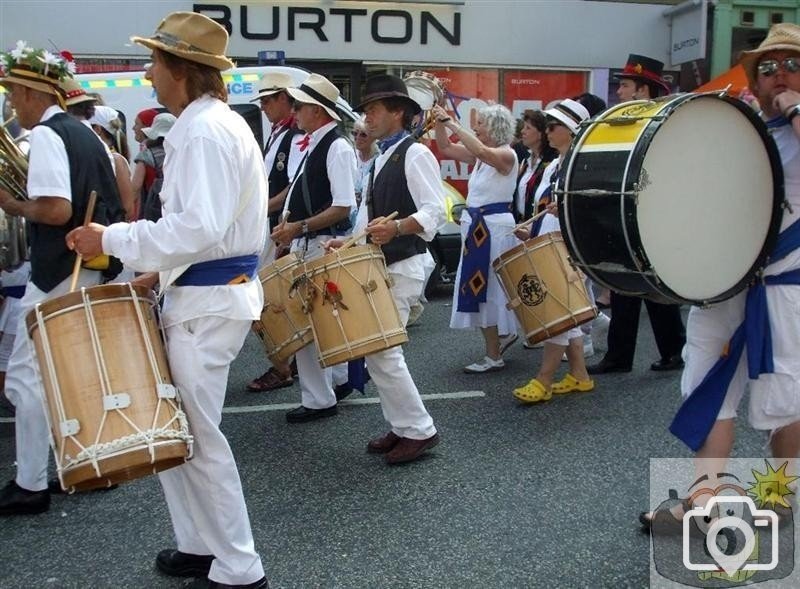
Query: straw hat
{"points": [[162, 123], [568, 112], [272, 83], [317, 90], [191, 36], [74, 92], [37, 69], [782, 37], [386, 86]]}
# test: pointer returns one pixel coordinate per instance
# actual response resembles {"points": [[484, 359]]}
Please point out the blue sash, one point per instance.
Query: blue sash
{"points": [[475, 257], [15, 292], [697, 414], [222, 271]]}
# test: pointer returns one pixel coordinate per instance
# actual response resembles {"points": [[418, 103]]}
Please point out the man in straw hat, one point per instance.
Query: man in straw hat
{"points": [[206, 246], [319, 200], [282, 156], [716, 372], [66, 162], [641, 79], [404, 178]]}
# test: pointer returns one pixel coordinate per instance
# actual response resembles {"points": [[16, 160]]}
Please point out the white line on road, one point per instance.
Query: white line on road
{"points": [[356, 401]]}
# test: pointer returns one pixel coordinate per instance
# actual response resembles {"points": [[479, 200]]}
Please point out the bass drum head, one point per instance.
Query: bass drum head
{"points": [[707, 202]]}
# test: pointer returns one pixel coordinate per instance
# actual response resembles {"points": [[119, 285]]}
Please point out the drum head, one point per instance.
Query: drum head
{"points": [[707, 201]]}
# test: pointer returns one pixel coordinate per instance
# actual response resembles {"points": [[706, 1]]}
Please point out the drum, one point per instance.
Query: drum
{"points": [[546, 293], [284, 327], [677, 200], [114, 414], [347, 296]]}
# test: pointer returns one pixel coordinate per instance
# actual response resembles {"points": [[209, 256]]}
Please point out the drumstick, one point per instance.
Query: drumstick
{"points": [[528, 222], [86, 220], [355, 238]]}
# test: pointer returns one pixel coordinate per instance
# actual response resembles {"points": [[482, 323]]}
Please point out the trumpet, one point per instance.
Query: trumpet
{"points": [[13, 165]]}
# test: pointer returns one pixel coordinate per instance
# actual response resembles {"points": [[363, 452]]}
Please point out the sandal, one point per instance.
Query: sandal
{"points": [[662, 521], [570, 384], [270, 381], [533, 392]]}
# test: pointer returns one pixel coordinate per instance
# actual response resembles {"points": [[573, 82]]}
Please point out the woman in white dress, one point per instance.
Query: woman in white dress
{"points": [[478, 299]]}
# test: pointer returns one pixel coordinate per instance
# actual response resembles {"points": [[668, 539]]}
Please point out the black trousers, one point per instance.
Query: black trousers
{"points": [[666, 321]]}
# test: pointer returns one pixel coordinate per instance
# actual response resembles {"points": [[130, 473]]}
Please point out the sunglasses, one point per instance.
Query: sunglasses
{"points": [[360, 134], [769, 67], [553, 125]]}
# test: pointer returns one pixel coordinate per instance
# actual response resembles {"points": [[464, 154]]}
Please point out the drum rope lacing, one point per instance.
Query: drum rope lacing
{"points": [[150, 436], [274, 348]]}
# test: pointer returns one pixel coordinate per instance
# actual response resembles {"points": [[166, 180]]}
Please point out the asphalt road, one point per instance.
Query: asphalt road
{"points": [[514, 496]]}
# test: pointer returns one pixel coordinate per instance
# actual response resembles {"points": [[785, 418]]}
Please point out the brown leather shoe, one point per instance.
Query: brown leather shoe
{"points": [[383, 444], [407, 450], [269, 381]]}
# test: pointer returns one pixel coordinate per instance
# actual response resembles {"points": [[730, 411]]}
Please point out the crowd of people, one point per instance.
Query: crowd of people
{"points": [[202, 207]]}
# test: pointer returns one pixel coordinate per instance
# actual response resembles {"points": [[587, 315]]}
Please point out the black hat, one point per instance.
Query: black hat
{"points": [[646, 69], [386, 86]]}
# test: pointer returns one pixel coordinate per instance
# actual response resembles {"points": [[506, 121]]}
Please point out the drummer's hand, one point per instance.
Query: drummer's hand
{"points": [[332, 244], [786, 100], [380, 232], [285, 232], [147, 280], [87, 241], [523, 233], [552, 208]]}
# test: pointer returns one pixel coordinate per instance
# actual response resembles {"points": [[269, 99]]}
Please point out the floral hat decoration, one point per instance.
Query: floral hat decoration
{"points": [[37, 68]]}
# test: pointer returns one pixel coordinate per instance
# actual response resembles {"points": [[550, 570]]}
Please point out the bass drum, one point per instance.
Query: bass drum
{"points": [[677, 200]]}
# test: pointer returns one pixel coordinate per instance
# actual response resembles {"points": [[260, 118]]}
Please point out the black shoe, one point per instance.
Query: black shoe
{"points": [[342, 391], [54, 486], [303, 414], [605, 367], [671, 363], [14, 500], [209, 584], [180, 564]]}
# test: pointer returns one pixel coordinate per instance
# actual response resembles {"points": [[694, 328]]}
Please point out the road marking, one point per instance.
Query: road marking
{"points": [[356, 401]]}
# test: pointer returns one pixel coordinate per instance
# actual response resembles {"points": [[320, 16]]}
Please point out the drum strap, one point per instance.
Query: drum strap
{"points": [[476, 257], [697, 414]]}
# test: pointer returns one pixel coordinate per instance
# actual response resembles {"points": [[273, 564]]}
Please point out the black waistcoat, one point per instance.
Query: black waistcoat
{"points": [[319, 185], [89, 169], [389, 193]]}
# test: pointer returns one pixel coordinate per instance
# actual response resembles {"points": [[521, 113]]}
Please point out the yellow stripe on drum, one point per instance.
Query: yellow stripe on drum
{"points": [[612, 130]]}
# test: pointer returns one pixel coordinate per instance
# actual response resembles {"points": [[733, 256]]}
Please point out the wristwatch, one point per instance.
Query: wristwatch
{"points": [[304, 227], [792, 112], [397, 228]]}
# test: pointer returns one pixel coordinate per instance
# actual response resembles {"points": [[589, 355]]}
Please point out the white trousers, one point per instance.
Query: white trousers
{"points": [[400, 400], [316, 382], [205, 498], [24, 389]]}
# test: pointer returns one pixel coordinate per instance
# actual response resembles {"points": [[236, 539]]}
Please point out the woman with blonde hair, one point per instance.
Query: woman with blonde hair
{"points": [[486, 226]]}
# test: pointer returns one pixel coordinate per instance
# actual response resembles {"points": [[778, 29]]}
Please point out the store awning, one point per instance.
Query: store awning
{"points": [[734, 77]]}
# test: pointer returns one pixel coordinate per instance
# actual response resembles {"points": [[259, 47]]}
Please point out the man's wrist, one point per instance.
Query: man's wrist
{"points": [[304, 227], [791, 112], [398, 229]]}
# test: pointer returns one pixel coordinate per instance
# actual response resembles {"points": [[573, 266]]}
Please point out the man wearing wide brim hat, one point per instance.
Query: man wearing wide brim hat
{"points": [[405, 178], [641, 79], [317, 208], [74, 92], [206, 245], [282, 157], [712, 386], [66, 162]]}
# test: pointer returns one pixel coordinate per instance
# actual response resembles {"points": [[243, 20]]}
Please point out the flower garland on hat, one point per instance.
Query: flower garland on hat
{"points": [[55, 66]]}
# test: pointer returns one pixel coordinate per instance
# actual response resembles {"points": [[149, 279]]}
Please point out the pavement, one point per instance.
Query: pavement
{"points": [[513, 497]]}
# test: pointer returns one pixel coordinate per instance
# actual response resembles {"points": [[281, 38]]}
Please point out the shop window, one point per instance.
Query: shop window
{"points": [[775, 18], [748, 18]]}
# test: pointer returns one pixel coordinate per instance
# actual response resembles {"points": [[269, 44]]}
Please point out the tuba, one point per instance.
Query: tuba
{"points": [[13, 179]]}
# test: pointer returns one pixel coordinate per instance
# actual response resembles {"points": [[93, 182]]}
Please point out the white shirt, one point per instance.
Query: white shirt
{"points": [[48, 165], [214, 206], [550, 222], [427, 191], [340, 165], [522, 183]]}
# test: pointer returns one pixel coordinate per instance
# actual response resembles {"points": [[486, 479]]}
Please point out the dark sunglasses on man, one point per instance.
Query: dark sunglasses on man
{"points": [[769, 67]]}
